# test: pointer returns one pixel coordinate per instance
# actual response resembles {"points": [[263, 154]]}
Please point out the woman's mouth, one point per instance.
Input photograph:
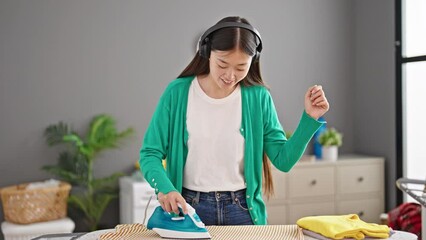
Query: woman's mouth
{"points": [[228, 82]]}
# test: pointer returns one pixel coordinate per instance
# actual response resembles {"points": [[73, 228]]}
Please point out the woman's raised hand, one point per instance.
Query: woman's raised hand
{"points": [[316, 103]]}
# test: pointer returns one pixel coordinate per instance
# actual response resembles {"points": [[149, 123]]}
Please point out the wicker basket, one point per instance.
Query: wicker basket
{"points": [[24, 206]]}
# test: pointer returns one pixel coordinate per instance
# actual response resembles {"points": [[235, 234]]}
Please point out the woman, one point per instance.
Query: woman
{"points": [[217, 126]]}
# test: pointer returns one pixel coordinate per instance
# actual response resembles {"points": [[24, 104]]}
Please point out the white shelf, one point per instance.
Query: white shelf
{"points": [[134, 198]]}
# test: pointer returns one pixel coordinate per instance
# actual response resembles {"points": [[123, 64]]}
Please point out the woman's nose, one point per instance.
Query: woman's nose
{"points": [[230, 74]]}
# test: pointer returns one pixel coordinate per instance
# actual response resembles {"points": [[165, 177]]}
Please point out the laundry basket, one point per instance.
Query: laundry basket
{"points": [[24, 206]]}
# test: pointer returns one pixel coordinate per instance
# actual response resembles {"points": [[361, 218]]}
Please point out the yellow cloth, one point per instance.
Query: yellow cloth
{"points": [[343, 226]]}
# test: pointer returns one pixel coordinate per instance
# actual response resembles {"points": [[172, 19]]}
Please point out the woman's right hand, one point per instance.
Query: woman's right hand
{"points": [[169, 202]]}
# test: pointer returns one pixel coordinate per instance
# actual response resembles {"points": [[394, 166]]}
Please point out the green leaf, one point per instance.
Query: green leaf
{"points": [[126, 133], [64, 174], [74, 139], [103, 133], [110, 182], [80, 202], [330, 137], [101, 201], [67, 161], [102, 130], [93, 206], [55, 133], [72, 168], [87, 151]]}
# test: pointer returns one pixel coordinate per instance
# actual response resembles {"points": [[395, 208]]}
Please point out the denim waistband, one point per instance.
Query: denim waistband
{"points": [[216, 195]]}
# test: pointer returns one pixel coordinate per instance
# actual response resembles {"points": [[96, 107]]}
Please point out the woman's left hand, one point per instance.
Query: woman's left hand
{"points": [[316, 103]]}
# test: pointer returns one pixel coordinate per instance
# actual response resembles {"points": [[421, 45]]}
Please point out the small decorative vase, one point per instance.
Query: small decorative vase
{"points": [[329, 153]]}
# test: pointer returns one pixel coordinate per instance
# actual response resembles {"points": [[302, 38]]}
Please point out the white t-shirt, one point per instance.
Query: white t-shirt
{"points": [[215, 160]]}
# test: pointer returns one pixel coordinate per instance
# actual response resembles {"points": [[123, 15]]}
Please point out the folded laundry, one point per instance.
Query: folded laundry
{"points": [[321, 237], [343, 226]]}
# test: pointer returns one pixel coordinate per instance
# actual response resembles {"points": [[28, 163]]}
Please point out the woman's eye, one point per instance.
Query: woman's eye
{"points": [[222, 67], [240, 70]]}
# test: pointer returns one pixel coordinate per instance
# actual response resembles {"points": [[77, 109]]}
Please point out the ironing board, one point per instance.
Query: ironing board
{"points": [[269, 232]]}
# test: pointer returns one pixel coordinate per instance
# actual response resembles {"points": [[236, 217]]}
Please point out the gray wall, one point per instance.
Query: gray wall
{"points": [[70, 60], [375, 109]]}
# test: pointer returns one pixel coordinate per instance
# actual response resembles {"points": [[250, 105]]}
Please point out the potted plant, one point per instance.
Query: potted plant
{"points": [[75, 164], [330, 140]]}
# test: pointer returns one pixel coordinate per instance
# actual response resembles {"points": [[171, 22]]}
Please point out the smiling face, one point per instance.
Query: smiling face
{"points": [[227, 69]]}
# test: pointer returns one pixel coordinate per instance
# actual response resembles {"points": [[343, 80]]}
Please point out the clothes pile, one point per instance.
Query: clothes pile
{"points": [[406, 217], [342, 227]]}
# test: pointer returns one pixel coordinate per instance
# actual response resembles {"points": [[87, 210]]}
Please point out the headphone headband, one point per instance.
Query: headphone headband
{"points": [[202, 42]]}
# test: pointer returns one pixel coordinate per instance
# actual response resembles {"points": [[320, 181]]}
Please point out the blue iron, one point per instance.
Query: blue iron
{"points": [[171, 225]]}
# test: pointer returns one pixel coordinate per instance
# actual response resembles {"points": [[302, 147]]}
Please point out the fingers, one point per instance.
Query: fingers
{"points": [[182, 202], [162, 199], [310, 91], [174, 207], [321, 103], [321, 100], [315, 91], [316, 103], [316, 96], [169, 202]]}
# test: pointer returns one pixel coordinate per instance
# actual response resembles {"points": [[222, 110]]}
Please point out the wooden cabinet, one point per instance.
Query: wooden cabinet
{"points": [[352, 184]]}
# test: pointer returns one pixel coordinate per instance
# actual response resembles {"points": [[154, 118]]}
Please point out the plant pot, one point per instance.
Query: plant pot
{"points": [[329, 153]]}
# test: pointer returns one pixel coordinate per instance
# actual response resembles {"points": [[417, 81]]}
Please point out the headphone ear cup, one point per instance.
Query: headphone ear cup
{"points": [[256, 56], [204, 50]]}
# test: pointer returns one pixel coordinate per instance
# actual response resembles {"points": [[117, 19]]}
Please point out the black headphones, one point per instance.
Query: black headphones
{"points": [[204, 42]]}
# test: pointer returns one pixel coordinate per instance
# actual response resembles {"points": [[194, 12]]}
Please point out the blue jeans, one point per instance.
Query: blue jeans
{"points": [[219, 208]]}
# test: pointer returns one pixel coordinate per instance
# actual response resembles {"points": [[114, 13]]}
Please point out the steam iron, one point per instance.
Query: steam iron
{"points": [[171, 225]]}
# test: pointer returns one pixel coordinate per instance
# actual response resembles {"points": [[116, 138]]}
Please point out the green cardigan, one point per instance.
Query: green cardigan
{"points": [[167, 137]]}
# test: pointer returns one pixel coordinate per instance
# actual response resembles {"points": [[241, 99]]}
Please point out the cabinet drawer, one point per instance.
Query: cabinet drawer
{"points": [[276, 215], [357, 179], [368, 210], [297, 211], [279, 184], [308, 182], [142, 193]]}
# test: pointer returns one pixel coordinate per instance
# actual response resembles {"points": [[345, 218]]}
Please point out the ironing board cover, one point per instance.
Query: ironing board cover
{"points": [[270, 232]]}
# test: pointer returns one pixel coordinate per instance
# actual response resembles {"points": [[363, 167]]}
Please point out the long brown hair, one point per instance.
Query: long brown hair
{"points": [[226, 39]]}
